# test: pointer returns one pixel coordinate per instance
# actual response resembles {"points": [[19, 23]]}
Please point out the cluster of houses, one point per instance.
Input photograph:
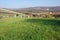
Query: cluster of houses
{"points": [[42, 14]]}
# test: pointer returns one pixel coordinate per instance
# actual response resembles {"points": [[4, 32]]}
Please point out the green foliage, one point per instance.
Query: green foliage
{"points": [[17, 14], [29, 29]]}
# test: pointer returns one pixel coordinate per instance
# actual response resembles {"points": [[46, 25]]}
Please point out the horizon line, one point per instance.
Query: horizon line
{"points": [[32, 6]]}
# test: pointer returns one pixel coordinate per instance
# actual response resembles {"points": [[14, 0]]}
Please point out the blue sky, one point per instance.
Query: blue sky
{"points": [[28, 3]]}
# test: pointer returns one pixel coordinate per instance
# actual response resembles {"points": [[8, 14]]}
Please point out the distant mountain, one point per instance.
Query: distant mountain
{"points": [[37, 9]]}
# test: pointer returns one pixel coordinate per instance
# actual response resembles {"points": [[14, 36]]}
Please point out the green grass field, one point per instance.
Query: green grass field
{"points": [[29, 29]]}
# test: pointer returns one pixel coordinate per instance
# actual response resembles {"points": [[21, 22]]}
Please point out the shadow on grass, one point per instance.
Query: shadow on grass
{"points": [[52, 22]]}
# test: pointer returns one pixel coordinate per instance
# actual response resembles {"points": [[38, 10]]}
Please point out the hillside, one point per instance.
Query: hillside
{"points": [[29, 29], [37, 9]]}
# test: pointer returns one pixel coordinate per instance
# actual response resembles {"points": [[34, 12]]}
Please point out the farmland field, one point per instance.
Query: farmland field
{"points": [[29, 29]]}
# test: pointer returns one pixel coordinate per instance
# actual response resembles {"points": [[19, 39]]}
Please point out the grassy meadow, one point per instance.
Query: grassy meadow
{"points": [[29, 29]]}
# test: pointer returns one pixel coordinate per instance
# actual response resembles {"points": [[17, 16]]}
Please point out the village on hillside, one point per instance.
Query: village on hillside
{"points": [[42, 14]]}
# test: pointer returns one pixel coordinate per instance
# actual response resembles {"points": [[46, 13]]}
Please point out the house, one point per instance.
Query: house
{"points": [[44, 14], [56, 14]]}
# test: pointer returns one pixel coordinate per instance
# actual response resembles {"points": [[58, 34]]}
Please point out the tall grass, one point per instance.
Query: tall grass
{"points": [[29, 29]]}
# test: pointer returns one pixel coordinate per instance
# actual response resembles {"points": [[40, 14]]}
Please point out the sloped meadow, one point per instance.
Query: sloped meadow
{"points": [[29, 29]]}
